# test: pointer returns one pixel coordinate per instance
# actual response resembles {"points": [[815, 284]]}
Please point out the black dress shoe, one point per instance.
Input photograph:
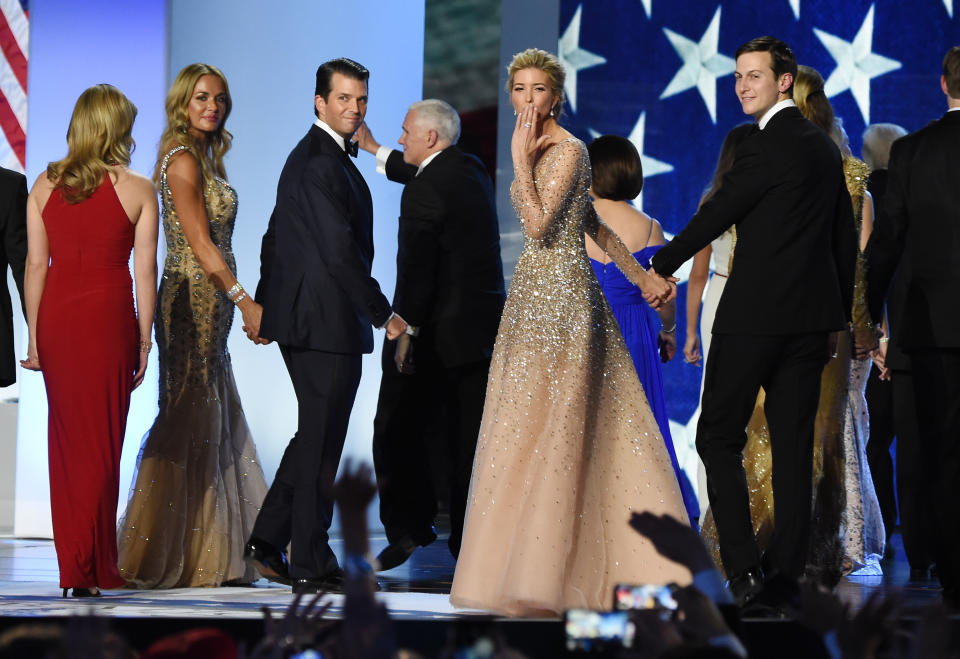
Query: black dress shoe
{"points": [[266, 559], [332, 582], [83, 592], [746, 585], [397, 553]]}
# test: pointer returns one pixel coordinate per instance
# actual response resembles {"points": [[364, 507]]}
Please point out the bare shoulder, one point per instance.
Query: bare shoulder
{"points": [[184, 165], [133, 182], [41, 189], [656, 234]]}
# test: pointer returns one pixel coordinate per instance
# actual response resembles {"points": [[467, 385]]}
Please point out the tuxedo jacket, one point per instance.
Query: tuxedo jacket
{"points": [[793, 264], [449, 272], [315, 259], [13, 253], [918, 226]]}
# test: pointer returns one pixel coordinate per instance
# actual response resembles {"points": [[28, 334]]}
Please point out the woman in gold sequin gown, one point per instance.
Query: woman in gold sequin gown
{"points": [[847, 532], [199, 484], [568, 446]]}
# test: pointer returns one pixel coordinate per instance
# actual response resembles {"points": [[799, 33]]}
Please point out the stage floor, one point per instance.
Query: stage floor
{"points": [[416, 590]]}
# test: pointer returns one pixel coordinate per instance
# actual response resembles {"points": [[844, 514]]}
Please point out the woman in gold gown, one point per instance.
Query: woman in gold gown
{"points": [[199, 483], [847, 531], [568, 446]]}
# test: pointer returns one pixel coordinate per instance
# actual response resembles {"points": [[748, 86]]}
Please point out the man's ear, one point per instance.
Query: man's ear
{"points": [[432, 138], [943, 85], [785, 82], [321, 105]]}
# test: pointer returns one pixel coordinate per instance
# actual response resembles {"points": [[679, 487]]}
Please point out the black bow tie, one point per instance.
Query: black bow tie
{"points": [[352, 148]]}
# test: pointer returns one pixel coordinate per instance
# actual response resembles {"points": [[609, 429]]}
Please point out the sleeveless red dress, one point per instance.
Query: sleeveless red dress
{"points": [[87, 342]]}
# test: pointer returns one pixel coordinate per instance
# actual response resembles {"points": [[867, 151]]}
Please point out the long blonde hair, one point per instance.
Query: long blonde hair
{"points": [[100, 135], [177, 131]]}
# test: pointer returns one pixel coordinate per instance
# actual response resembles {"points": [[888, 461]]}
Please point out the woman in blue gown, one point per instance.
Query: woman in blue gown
{"points": [[618, 178]]}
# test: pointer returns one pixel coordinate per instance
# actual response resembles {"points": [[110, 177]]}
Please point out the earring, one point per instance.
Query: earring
{"points": [[551, 112], [514, 113]]}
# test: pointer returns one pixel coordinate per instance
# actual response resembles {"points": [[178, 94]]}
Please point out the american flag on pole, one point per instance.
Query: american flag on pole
{"points": [[14, 42]]}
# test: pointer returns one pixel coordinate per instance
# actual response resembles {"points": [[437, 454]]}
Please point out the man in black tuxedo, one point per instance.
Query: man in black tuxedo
{"points": [[13, 253], [790, 287], [892, 403], [919, 222], [450, 289], [319, 303]]}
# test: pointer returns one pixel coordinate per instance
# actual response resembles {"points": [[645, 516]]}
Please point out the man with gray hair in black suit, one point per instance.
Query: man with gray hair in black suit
{"points": [[450, 290]]}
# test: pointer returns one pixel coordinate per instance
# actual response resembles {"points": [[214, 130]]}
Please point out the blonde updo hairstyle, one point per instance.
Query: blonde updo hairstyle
{"points": [[534, 58], [177, 131], [100, 135]]}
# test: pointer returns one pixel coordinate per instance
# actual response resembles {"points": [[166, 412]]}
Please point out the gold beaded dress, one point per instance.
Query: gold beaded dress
{"points": [[568, 446], [198, 484], [847, 533]]}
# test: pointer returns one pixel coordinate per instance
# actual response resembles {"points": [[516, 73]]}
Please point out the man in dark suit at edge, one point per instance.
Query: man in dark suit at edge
{"points": [[450, 289], [919, 223], [13, 253], [790, 287], [319, 303]]}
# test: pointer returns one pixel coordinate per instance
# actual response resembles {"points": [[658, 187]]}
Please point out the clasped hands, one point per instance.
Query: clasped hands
{"points": [[659, 290]]}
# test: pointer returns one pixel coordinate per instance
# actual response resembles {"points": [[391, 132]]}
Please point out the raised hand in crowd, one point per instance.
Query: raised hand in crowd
{"points": [[674, 540], [367, 631], [299, 629]]}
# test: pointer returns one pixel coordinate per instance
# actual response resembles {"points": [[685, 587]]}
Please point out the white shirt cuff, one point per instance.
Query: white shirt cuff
{"points": [[382, 154], [710, 583]]}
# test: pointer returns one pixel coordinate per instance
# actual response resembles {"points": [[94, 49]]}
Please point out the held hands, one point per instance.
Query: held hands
{"points": [[395, 327], [659, 290], [365, 139], [252, 315], [879, 357], [525, 142]]}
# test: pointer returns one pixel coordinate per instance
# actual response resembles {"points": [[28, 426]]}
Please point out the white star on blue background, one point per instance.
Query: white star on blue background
{"points": [[574, 58], [702, 65], [946, 3], [795, 6], [856, 64]]}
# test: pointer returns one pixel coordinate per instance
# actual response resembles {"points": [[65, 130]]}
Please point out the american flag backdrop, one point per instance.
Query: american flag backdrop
{"points": [[661, 73], [14, 49]]}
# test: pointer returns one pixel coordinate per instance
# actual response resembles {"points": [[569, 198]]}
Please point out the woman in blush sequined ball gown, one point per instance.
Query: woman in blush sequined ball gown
{"points": [[568, 446], [199, 483]]}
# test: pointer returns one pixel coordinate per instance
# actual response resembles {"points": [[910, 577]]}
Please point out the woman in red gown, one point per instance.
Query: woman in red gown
{"points": [[84, 215]]}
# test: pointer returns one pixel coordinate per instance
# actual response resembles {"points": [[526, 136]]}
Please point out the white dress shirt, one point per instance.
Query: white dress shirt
{"points": [[765, 119]]}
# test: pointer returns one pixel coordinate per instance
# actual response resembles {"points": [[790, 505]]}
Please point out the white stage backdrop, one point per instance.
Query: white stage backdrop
{"points": [[270, 60]]}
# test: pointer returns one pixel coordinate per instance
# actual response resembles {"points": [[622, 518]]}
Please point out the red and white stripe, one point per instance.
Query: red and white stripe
{"points": [[14, 49]]}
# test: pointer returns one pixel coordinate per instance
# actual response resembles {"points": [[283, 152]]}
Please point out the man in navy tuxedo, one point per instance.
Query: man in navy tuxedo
{"points": [[319, 304]]}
